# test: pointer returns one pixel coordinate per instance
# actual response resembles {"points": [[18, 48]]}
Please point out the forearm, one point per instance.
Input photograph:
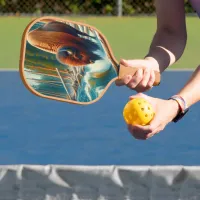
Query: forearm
{"points": [[191, 91], [167, 47], [169, 41]]}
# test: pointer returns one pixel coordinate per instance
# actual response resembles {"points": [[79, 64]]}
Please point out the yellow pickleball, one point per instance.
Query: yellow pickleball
{"points": [[138, 111]]}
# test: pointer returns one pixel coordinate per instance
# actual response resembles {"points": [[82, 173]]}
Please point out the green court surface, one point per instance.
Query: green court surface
{"points": [[129, 38]]}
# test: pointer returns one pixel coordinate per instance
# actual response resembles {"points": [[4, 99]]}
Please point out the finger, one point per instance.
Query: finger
{"points": [[156, 127], [130, 128], [146, 89], [135, 79], [145, 80], [126, 63], [155, 132], [137, 134], [124, 81], [145, 86], [141, 132], [147, 83], [144, 132], [133, 63], [143, 129], [151, 79], [141, 89]]}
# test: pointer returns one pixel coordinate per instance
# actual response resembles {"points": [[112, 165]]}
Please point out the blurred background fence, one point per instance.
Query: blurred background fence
{"points": [[80, 7]]}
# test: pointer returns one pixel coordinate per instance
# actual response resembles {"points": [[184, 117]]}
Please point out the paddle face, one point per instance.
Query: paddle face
{"points": [[66, 61]]}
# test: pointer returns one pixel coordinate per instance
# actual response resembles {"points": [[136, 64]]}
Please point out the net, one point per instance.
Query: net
{"points": [[54, 182]]}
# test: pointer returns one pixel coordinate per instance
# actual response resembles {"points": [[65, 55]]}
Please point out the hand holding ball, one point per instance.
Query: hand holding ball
{"points": [[138, 111]]}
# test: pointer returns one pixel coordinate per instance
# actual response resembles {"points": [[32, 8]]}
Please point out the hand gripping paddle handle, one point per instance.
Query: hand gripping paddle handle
{"points": [[123, 71]]}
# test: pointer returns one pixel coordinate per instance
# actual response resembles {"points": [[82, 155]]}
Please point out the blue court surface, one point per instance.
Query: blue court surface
{"points": [[34, 130]]}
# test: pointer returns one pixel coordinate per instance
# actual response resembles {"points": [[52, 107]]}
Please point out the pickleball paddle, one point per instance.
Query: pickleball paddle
{"points": [[68, 61]]}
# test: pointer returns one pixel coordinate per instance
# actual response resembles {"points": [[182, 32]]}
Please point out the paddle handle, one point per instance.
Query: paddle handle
{"points": [[123, 71]]}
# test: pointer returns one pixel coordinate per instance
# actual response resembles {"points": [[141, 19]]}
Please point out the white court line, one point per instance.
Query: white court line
{"points": [[8, 70], [179, 70]]}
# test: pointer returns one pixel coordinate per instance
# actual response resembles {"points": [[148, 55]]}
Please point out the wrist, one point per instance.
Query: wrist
{"points": [[175, 107], [183, 107], [163, 56], [153, 63]]}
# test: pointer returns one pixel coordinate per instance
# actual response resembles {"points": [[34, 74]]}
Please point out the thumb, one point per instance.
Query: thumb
{"points": [[124, 62]]}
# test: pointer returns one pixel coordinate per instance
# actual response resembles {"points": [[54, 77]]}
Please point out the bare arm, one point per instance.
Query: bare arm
{"points": [[170, 38], [166, 48], [191, 91]]}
